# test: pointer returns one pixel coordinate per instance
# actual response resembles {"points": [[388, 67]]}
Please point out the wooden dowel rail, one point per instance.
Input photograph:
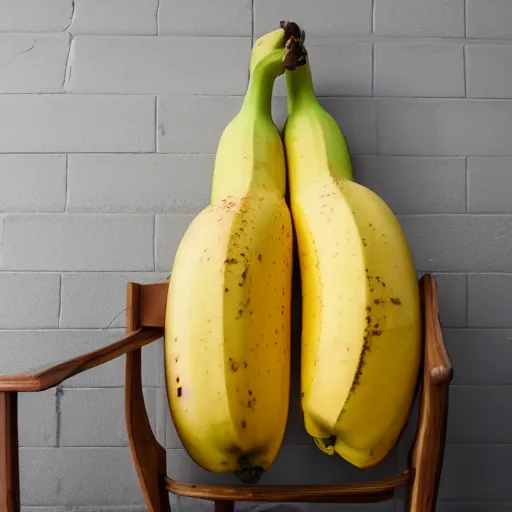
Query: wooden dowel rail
{"points": [[290, 493]]}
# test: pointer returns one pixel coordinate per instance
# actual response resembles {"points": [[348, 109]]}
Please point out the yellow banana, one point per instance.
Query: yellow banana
{"points": [[361, 325], [227, 329]]}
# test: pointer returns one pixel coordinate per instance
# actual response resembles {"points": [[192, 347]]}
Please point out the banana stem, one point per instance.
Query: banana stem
{"points": [[261, 82], [299, 86], [301, 96]]}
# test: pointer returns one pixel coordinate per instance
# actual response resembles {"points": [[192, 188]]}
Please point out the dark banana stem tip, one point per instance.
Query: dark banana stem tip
{"points": [[290, 29], [296, 54], [294, 38]]}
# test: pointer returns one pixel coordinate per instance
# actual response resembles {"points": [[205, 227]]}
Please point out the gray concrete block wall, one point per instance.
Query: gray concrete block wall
{"points": [[110, 113]]}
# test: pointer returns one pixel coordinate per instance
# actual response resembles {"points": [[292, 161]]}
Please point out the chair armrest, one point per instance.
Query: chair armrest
{"points": [[52, 375], [437, 360]]}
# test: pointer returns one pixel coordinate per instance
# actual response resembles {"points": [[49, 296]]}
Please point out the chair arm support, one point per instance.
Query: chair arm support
{"points": [[52, 375], [437, 360]]}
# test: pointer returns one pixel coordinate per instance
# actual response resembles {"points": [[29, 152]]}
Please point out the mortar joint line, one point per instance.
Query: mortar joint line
{"points": [[467, 184], [66, 178], [373, 17], [154, 243], [59, 318], [373, 69], [156, 124], [464, 68], [465, 18], [158, 18], [58, 413], [466, 323]]}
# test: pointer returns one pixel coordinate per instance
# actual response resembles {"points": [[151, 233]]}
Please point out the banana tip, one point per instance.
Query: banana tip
{"points": [[249, 474]]}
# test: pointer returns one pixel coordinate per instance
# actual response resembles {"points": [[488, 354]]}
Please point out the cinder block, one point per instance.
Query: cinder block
{"points": [[386, 506], [473, 417], [333, 18], [476, 472], [488, 70], [419, 69], [37, 418], [76, 242], [159, 65], [489, 180], [150, 401], [98, 300], [127, 17], [161, 361], [407, 439], [247, 506], [181, 122], [184, 504], [338, 69], [139, 183], [29, 300], [169, 232], [480, 356], [451, 289], [96, 417], [490, 300], [53, 123], [205, 18], [459, 243], [78, 476], [86, 508], [357, 119], [465, 506], [448, 127], [419, 18], [35, 16], [415, 184], [473, 506], [172, 439], [32, 183], [34, 349], [161, 408], [489, 19], [30, 63], [452, 294]]}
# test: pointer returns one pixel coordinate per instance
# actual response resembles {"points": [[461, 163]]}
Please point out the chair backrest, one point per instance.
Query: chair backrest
{"points": [[153, 299]]}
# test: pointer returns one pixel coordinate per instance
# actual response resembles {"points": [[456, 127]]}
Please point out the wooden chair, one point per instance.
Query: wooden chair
{"points": [[145, 322]]}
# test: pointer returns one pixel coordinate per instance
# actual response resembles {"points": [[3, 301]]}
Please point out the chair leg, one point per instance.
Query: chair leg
{"points": [[224, 506], [9, 457], [428, 451], [147, 454]]}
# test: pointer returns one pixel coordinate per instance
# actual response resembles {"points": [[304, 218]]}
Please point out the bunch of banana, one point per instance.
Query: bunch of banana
{"points": [[227, 326], [361, 326], [227, 329]]}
